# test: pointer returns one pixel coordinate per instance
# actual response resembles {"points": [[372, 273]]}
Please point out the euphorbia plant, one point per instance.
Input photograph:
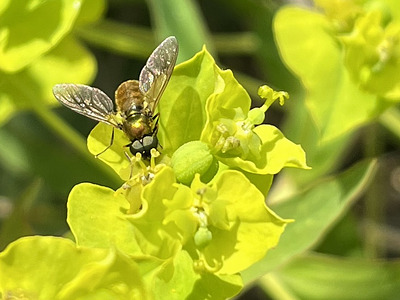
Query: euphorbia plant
{"points": [[346, 54], [186, 222]]}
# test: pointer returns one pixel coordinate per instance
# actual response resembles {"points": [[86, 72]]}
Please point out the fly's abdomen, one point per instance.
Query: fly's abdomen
{"points": [[128, 97]]}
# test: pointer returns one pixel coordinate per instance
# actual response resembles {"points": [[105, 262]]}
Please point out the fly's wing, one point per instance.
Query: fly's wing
{"points": [[85, 100], [155, 74]]}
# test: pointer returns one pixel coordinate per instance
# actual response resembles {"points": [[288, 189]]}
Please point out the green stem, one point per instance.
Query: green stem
{"points": [[139, 41], [391, 121], [271, 284], [237, 43], [374, 202], [63, 130], [75, 140], [119, 38]]}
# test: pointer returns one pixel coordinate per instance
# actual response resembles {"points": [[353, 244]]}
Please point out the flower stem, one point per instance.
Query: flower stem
{"points": [[62, 129]]}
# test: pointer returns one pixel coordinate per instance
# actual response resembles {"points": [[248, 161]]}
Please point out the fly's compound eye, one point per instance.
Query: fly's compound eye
{"points": [[144, 145], [149, 142]]}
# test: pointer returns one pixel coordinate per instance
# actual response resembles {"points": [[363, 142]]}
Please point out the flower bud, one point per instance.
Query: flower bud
{"points": [[191, 158]]}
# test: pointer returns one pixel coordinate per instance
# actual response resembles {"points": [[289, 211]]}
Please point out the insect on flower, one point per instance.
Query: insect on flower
{"points": [[136, 100]]}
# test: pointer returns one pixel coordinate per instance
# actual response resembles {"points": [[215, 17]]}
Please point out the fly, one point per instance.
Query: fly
{"points": [[135, 100]]}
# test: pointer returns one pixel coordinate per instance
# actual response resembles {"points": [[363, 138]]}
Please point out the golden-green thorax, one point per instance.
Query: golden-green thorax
{"points": [[137, 125]]}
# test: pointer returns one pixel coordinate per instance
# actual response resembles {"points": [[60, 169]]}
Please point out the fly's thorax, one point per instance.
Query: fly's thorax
{"points": [[137, 125], [128, 97]]}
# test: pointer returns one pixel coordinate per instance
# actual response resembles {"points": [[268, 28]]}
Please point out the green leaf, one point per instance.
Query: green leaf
{"points": [[54, 268], [29, 29], [281, 152], [97, 218], [182, 107], [325, 277], [308, 46], [3, 5], [314, 211], [276, 152], [69, 61], [187, 123], [178, 280], [322, 157], [100, 139], [243, 227], [91, 11], [211, 286], [7, 108], [392, 5], [153, 231], [262, 182], [32, 86]]}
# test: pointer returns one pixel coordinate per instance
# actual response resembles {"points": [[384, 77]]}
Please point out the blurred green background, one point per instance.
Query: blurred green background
{"points": [[43, 145]]}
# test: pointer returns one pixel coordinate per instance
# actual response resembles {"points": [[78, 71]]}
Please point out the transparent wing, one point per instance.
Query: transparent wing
{"points": [[85, 100], [158, 69]]}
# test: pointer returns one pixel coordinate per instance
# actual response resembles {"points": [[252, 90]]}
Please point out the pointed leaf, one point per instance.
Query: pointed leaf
{"points": [[314, 211]]}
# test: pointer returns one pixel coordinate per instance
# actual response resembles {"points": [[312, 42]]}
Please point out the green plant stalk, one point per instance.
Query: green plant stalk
{"points": [[168, 17], [237, 43], [135, 41], [62, 129], [391, 121], [132, 41], [374, 203], [11, 228], [274, 288]]}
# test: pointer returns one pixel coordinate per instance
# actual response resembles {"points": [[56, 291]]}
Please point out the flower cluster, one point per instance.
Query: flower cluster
{"points": [[347, 56], [370, 34], [188, 220]]}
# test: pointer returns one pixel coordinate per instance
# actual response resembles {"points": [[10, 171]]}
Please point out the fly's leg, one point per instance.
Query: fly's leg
{"points": [[111, 142], [156, 118], [130, 163]]}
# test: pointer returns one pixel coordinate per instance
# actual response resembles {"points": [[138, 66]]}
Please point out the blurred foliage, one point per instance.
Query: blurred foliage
{"points": [[342, 110]]}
